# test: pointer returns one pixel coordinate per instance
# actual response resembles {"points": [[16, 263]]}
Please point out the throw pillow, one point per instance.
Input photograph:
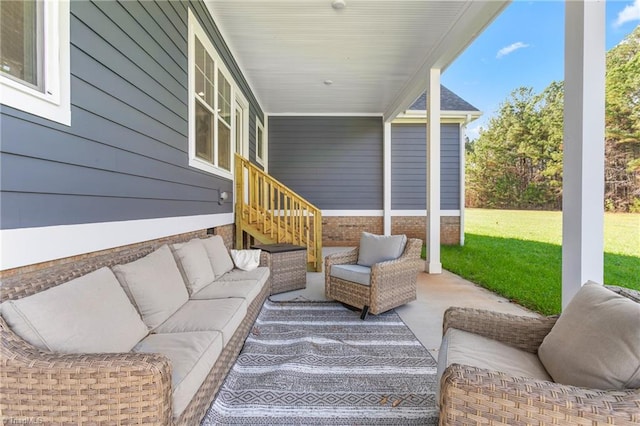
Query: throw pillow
{"points": [[380, 248], [218, 255], [90, 314], [154, 284], [247, 260], [596, 341], [195, 263]]}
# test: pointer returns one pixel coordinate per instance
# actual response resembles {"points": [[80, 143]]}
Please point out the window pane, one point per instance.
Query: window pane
{"points": [[204, 74], [209, 73], [224, 146], [224, 98], [21, 40], [204, 133], [200, 85], [199, 71], [200, 52], [260, 143]]}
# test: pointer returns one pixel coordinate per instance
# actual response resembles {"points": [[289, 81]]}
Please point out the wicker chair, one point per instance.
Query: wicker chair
{"points": [[393, 283], [473, 396]]}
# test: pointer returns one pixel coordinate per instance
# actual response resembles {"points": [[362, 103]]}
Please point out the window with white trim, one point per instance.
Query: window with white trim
{"points": [[261, 147], [210, 105], [34, 57]]}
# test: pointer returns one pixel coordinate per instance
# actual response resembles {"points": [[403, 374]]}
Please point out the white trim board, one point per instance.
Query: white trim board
{"points": [[422, 213], [27, 246], [387, 177], [394, 213], [337, 213], [323, 114]]}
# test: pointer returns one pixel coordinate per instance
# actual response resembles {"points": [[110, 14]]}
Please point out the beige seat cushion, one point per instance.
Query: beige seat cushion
{"points": [[248, 290], [596, 341], [90, 314], [224, 315], [355, 273], [462, 347], [219, 256], [195, 263], [260, 274], [192, 356], [154, 284]]}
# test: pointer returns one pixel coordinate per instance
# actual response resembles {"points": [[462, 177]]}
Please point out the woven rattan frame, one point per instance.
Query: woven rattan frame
{"points": [[201, 401], [474, 396], [288, 270], [393, 283], [38, 386]]}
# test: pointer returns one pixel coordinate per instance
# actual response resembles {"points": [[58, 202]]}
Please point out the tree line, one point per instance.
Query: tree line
{"points": [[516, 163]]}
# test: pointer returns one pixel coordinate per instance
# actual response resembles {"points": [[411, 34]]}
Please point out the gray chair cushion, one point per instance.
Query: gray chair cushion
{"points": [[354, 273], [90, 314], [596, 341], [192, 355], [155, 284], [380, 248], [224, 315]]}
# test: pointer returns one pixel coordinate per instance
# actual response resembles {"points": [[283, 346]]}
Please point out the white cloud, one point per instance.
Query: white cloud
{"points": [[628, 14], [473, 132], [512, 48]]}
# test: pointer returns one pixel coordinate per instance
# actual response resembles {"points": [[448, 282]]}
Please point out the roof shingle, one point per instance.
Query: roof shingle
{"points": [[449, 101]]}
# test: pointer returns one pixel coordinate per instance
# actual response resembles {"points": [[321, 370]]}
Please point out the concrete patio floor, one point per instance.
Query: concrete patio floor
{"points": [[435, 293]]}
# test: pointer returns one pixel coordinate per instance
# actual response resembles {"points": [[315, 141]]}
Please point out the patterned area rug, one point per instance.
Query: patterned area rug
{"points": [[310, 363]]}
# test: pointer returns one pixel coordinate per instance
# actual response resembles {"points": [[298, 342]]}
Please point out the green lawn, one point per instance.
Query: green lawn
{"points": [[518, 255]]}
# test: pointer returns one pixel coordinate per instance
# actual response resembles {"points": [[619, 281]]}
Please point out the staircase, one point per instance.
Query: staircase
{"points": [[271, 213]]}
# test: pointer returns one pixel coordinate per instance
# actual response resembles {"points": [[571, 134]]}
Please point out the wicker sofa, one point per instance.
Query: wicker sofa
{"points": [[148, 353], [579, 368]]}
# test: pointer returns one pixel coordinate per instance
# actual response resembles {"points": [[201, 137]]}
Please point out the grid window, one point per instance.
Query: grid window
{"points": [[211, 94], [34, 57]]}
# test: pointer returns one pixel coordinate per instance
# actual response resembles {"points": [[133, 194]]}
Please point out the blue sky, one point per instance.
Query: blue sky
{"points": [[524, 46]]}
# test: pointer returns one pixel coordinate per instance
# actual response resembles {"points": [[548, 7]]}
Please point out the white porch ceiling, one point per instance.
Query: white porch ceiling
{"points": [[376, 52]]}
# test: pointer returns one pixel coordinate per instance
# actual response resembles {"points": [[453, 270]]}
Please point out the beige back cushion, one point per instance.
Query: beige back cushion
{"points": [[155, 285], [90, 314], [596, 341], [219, 256], [195, 264]]}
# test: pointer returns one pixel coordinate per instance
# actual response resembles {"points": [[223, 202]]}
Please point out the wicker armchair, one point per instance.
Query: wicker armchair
{"points": [[470, 395], [393, 283]]}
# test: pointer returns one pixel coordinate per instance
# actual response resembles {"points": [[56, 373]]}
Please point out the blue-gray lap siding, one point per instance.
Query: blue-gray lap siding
{"points": [[125, 155], [334, 162], [408, 166]]}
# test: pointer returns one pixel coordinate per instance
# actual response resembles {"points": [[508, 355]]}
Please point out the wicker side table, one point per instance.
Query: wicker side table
{"points": [[288, 265]]}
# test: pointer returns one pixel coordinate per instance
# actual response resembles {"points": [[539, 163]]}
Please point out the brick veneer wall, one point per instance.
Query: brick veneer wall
{"points": [[48, 274], [416, 227], [345, 230], [450, 230], [228, 234]]}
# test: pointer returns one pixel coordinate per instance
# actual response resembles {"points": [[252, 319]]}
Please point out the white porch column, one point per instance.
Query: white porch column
{"points": [[583, 172], [433, 265], [387, 177]]}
